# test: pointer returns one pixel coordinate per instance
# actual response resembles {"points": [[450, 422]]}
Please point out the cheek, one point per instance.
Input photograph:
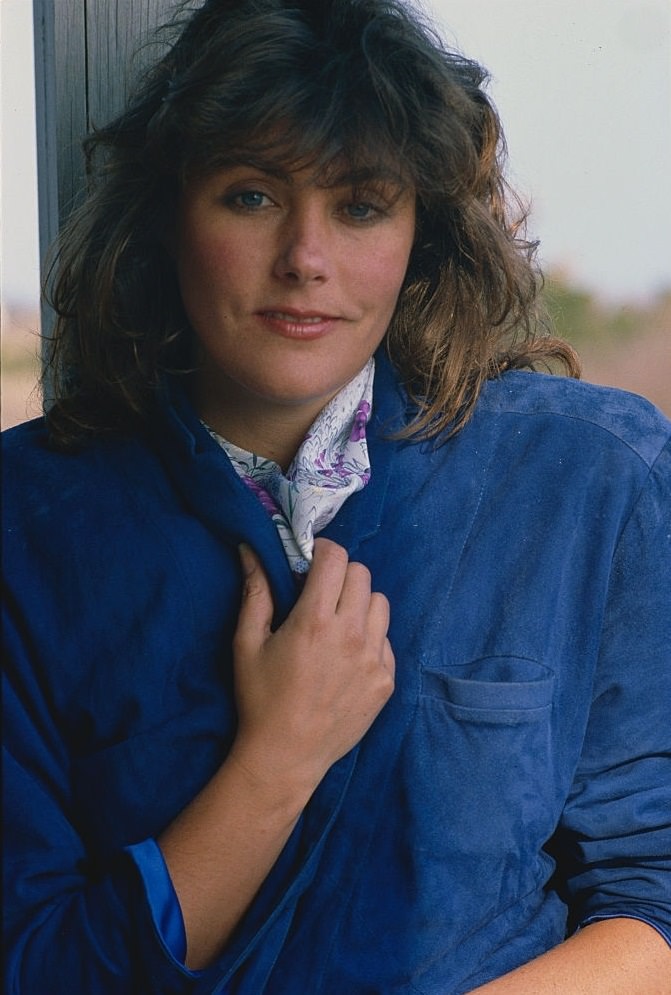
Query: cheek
{"points": [[205, 261], [201, 269], [381, 278]]}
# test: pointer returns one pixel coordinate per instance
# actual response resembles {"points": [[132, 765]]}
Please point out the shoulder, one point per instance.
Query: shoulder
{"points": [[559, 408], [35, 474], [26, 449], [43, 485]]}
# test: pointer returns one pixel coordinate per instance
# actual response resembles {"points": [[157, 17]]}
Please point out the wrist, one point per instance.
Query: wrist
{"points": [[275, 790]]}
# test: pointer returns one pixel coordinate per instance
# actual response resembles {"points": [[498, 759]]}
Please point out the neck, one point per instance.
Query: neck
{"points": [[272, 431]]}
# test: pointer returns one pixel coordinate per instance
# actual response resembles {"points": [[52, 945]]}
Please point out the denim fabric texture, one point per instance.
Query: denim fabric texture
{"points": [[516, 785]]}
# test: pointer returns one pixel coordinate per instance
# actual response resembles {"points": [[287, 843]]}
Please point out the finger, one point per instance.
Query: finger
{"points": [[256, 608], [355, 595], [388, 659], [325, 579], [378, 616]]}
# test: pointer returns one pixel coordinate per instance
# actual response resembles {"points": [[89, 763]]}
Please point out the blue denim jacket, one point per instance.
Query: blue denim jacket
{"points": [[516, 785]]}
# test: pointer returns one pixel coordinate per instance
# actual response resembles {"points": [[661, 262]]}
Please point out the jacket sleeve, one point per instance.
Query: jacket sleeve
{"points": [[70, 925], [616, 828], [161, 895]]}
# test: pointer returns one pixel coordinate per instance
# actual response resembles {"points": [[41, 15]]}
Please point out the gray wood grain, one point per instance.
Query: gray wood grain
{"points": [[88, 54], [60, 49], [122, 42]]}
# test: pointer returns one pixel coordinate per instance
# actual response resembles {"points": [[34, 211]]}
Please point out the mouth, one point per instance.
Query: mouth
{"points": [[305, 319], [295, 324]]}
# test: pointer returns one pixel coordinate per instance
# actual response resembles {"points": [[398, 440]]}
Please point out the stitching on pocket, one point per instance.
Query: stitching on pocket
{"points": [[478, 685]]}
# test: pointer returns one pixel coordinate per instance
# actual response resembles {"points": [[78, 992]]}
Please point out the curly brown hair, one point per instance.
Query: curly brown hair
{"points": [[288, 83]]}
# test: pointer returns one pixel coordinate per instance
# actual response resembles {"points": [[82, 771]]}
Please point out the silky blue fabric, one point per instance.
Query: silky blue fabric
{"points": [[161, 896], [516, 785]]}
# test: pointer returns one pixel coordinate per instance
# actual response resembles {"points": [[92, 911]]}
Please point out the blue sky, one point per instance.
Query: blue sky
{"points": [[584, 91]]}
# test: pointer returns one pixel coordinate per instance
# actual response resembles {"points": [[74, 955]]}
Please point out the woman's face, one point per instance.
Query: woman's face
{"points": [[289, 286]]}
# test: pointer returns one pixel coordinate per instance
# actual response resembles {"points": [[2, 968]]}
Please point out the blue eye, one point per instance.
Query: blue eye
{"points": [[361, 211], [250, 199]]}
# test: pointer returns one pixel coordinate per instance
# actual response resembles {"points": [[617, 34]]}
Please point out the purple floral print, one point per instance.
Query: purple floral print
{"points": [[360, 421], [331, 464], [262, 494]]}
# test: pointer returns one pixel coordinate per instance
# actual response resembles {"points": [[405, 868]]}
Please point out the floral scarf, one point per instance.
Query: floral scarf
{"points": [[331, 464]]}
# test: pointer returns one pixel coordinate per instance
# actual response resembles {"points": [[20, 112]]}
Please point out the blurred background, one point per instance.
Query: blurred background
{"points": [[584, 91]]}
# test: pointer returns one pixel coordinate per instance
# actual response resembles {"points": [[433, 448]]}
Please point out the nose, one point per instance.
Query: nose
{"points": [[303, 252]]}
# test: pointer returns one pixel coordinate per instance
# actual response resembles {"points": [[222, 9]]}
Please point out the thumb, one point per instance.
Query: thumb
{"points": [[256, 608]]}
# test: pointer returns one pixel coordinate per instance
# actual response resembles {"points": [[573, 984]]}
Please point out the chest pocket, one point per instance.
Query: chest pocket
{"points": [[472, 801], [479, 780], [495, 690]]}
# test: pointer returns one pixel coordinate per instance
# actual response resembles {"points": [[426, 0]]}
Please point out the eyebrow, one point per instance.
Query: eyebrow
{"points": [[352, 178], [368, 174]]}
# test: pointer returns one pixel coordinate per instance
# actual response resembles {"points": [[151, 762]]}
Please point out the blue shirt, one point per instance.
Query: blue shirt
{"points": [[517, 784]]}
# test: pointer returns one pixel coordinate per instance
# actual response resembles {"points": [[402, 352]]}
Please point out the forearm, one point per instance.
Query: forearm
{"points": [[306, 694], [220, 849], [611, 957]]}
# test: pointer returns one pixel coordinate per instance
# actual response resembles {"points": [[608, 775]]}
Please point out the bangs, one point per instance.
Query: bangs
{"points": [[333, 159], [335, 144], [283, 101]]}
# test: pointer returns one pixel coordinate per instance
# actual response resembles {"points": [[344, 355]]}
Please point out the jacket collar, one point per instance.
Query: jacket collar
{"points": [[211, 488], [361, 515]]}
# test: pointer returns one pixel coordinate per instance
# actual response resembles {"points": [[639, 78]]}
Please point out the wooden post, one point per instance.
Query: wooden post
{"points": [[87, 55]]}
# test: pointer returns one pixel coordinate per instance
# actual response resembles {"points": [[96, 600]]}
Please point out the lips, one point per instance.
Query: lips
{"points": [[294, 324], [308, 319]]}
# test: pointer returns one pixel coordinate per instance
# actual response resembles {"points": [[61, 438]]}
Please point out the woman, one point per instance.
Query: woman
{"points": [[417, 752]]}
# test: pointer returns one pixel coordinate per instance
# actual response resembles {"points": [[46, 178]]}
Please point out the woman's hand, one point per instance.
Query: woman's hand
{"points": [[308, 692]]}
